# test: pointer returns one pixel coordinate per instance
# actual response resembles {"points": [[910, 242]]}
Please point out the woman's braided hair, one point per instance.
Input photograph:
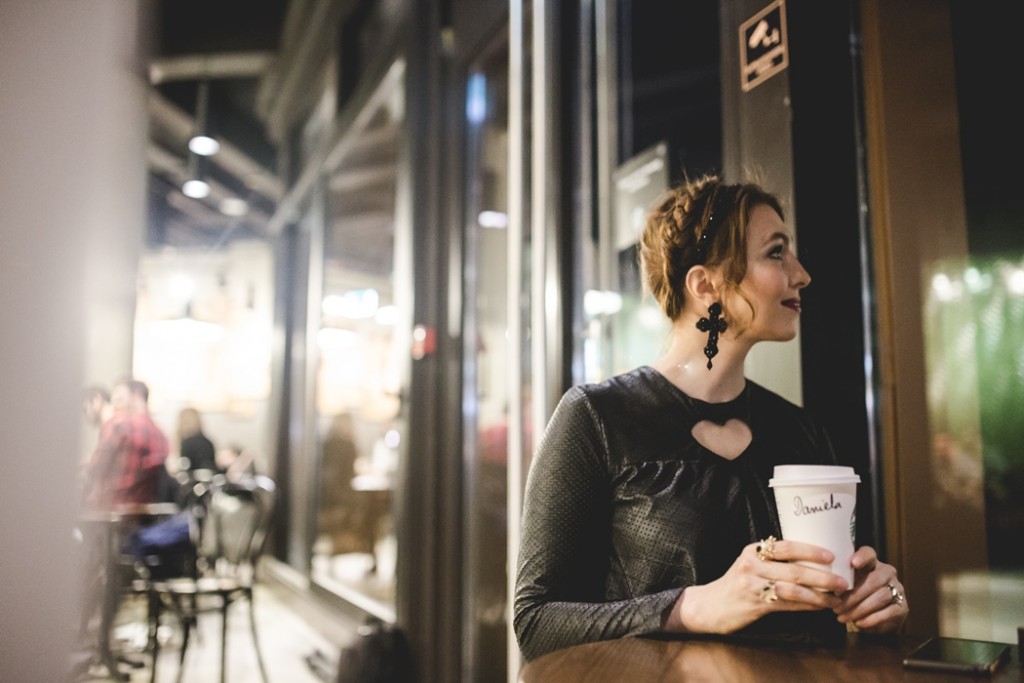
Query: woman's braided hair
{"points": [[672, 241]]}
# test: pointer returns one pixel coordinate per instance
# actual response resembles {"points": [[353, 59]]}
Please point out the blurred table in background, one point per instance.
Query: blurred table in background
{"points": [[103, 534]]}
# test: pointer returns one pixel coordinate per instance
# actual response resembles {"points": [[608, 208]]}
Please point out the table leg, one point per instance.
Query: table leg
{"points": [[108, 608]]}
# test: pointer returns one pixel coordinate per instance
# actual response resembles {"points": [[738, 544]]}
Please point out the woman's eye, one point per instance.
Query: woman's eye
{"points": [[776, 252]]}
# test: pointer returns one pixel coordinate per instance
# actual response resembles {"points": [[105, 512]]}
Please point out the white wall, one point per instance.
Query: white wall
{"points": [[225, 377], [72, 125]]}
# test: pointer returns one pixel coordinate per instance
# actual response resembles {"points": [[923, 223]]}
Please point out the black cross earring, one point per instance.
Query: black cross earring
{"points": [[713, 324]]}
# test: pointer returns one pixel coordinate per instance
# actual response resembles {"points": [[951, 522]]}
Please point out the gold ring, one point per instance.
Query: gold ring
{"points": [[897, 596], [766, 549], [768, 592]]}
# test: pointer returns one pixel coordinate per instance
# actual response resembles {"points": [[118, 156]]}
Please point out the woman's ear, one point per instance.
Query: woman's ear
{"points": [[701, 286]]}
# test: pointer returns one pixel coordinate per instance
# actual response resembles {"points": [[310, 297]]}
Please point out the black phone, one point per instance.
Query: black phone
{"points": [[958, 655]]}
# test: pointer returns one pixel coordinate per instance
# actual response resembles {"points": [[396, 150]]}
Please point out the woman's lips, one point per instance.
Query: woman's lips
{"points": [[793, 304]]}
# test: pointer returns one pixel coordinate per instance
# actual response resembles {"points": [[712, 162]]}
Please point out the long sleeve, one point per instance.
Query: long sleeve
{"points": [[565, 550], [125, 466], [624, 508]]}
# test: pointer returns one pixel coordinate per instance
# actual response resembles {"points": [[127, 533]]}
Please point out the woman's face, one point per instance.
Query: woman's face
{"points": [[773, 280]]}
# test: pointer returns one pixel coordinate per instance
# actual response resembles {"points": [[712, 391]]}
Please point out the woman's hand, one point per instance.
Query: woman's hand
{"points": [[876, 603], [764, 578]]}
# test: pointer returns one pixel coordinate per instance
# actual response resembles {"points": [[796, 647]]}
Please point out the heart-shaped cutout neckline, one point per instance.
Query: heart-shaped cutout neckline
{"points": [[727, 440]]}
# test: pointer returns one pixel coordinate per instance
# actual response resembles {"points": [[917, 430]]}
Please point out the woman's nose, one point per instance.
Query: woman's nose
{"points": [[801, 278]]}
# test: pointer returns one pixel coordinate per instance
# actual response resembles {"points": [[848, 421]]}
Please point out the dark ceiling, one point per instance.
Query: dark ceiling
{"points": [[229, 44]]}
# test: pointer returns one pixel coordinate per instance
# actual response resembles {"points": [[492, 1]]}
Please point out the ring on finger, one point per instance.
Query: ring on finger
{"points": [[766, 549], [768, 592], [898, 597]]}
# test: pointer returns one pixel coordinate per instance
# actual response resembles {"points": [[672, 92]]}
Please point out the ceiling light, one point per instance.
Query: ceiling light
{"points": [[204, 145], [196, 188], [202, 142], [233, 206], [195, 185]]}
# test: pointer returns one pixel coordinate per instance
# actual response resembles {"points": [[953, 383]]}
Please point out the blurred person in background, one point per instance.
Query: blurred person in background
{"points": [[128, 464], [96, 406], [127, 468], [195, 448], [96, 410], [345, 519]]}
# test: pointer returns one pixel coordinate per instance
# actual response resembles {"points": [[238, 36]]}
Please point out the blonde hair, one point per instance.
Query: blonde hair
{"points": [[671, 241], [189, 423]]}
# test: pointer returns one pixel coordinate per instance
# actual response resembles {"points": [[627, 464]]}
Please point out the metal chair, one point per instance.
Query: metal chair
{"points": [[230, 532]]}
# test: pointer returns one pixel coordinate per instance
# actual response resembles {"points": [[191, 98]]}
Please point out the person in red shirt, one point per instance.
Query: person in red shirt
{"points": [[125, 469], [128, 462]]}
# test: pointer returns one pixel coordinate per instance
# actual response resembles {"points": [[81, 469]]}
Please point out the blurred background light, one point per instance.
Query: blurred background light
{"points": [[492, 219], [204, 145], [354, 304], [598, 302], [945, 288], [233, 206], [476, 98], [196, 189]]}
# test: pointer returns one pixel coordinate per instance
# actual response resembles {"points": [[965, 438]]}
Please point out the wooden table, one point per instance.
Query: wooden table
{"points": [[647, 660]]}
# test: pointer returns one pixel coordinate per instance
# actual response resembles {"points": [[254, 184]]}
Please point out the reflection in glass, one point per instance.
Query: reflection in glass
{"points": [[668, 119], [974, 318], [488, 347], [360, 368]]}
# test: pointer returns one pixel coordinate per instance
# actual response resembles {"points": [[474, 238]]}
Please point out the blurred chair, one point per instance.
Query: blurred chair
{"points": [[230, 525]]}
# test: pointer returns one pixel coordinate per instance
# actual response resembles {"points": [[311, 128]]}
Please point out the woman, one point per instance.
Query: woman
{"points": [[647, 504], [196, 449]]}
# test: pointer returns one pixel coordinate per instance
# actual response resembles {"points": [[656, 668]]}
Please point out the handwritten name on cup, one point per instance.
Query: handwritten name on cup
{"points": [[824, 505]]}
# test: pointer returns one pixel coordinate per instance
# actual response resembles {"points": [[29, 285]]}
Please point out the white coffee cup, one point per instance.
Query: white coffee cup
{"points": [[817, 504]]}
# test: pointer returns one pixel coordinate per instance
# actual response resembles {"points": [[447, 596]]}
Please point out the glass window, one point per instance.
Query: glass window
{"points": [[486, 371], [669, 112], [669, 84], [974, 350], [362, 347]]}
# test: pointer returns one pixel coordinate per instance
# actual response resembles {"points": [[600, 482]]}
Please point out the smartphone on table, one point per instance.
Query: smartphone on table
{"points": [[958, 655]]}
